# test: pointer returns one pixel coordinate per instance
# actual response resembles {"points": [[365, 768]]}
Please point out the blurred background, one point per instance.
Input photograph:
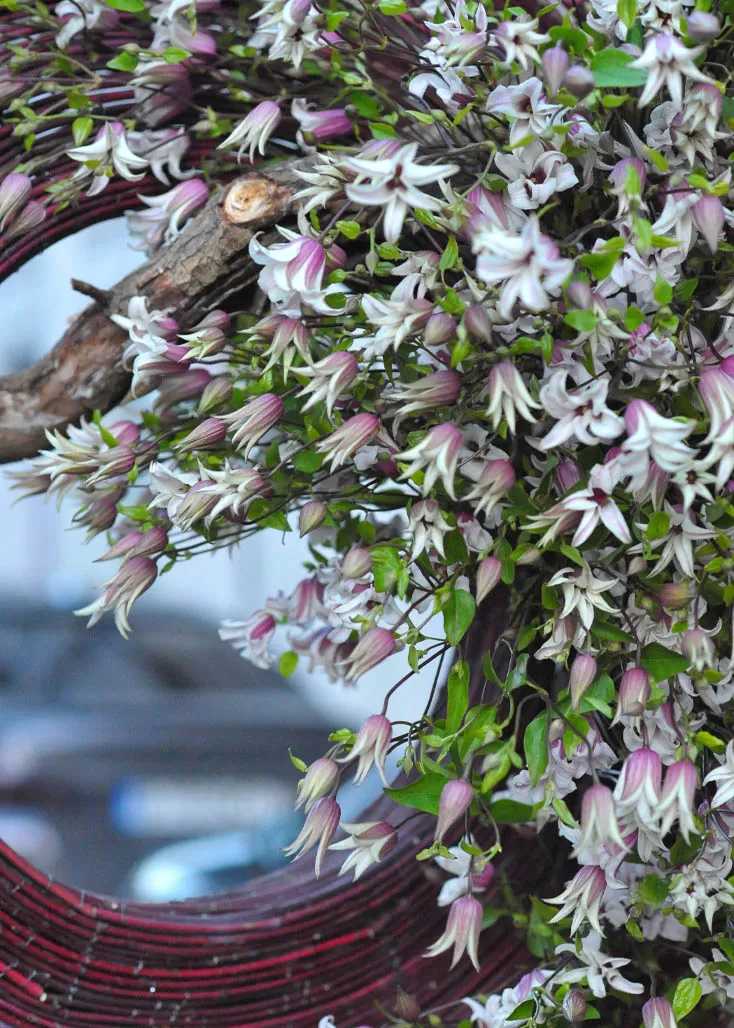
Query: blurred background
{"points": [[155, 768]]}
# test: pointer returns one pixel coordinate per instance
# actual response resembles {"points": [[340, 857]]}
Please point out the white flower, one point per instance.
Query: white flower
{"points": [[405, 313], [393, 185], [724, 778], [583, 593], [677, 545], [581, 413], [496, 1010], [535, 175], [83, 16], [253, 132], [599, 970], [518, 40], [527, 265], [108, 153], [251, 637], [527, 106], [653, 437], [667, 60]]}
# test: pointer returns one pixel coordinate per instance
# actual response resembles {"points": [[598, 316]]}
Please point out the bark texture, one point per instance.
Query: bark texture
{"points": [[84, 370]]}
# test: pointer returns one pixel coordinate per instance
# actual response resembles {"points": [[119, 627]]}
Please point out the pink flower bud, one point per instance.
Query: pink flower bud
{"points": [[639, 783], [703, 27], [216, 393], [180, 387], [580, 294], [674, 595], [697, 647], [658, 1013], [370, 747], [15, 190], [566, 476], [478, 324], [406, 1007], [583, 673], [209, 433], [488, 576], [255, 419], [574, 1006], [321, 124], [708, 217], [214, 319], [349, 437], [634, 693], [319, 780], [440, 328], [618, 176], [555, 62], [310, 516], [376, 645], [456, 798], [32, 215], [356, 563], [579, 81]]}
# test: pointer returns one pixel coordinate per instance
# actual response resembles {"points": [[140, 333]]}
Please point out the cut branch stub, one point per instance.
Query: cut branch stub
{"points": [[84, 370]]}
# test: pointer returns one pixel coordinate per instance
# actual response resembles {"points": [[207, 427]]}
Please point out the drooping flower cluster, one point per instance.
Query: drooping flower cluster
{"points": [[490, 378]]}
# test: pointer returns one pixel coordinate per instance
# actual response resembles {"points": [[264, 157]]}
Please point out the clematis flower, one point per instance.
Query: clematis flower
{"points": [[658, 1013], [166, 214], [107, 155], [583, 593], [370, 747], [598, 969], [437, 453], [518, 41], [427, 393], [83, 16], [535, 175], [508, 396], [369, 842], [330, 378], [428, 527], [256, 418], [676, 803], [462, 931], [251, 637], [254, 131], [394, 185], [667, 62], [135, 576], [406, 312], [322, 822], [351, 436], [581, 899], [320, 779], [581, 413], [528, 265]]}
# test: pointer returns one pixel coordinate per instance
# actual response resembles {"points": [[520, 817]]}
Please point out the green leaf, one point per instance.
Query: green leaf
{"points": [[582, 321], [299, 764], [288, 663], [523, 1012], [663, 291], [663, 663], [653, 890], [308, 461], [132, 6], [601, 263], [711, 742], [450, 255], [610, 633], [627, 12], [81, 129], [454, 548], [658, 526], [175, 54], [458, 696], [458, 614], [386, 567], [688, 992], [536, 748], [393, 7], [610, 69], [510, 812], [123, 62], [350, 229], [421, 795]]}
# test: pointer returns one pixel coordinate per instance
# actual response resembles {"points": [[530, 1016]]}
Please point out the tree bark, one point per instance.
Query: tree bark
{"points": [[84, 371]]}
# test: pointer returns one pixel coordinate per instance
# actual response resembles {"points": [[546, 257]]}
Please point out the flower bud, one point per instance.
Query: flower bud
{"points": [[531, 556], [574, 1006], [676, 804], [674, 595], [356, 563], [217, 392], [703, 27], [555, 62], [488, 576], [406, 1006], [580, 294], [310, 516], [566, 476], [462, 931], [440, 328], [478, 324], [708, 217], [209, 433], [697, 647], [599, 826], [583, 673], [376, 645], [658, 1013], [370, 747], [32, 215], [320, 778], [322, 822], [456, 798], [634, 693], [579, 81], [15, 190]]}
